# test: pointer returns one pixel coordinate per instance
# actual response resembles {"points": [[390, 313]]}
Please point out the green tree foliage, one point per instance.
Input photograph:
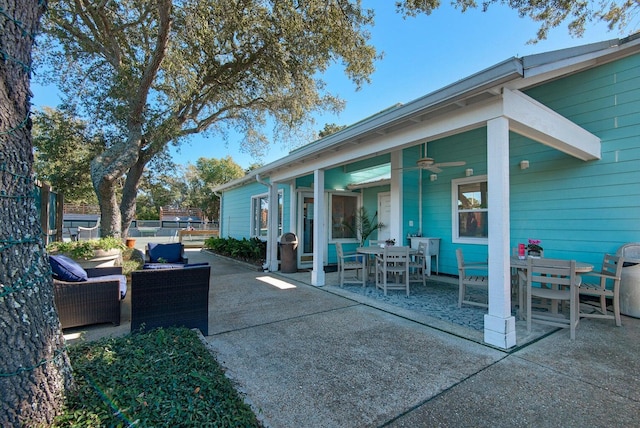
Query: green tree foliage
{"points": [[164, 70], [550, 14], [162, 187], [64, 147], [330, 128], [204, 176]]}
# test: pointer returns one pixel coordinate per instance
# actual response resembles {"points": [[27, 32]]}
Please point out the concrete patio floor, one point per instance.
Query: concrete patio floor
{"points": [[320, 357]]}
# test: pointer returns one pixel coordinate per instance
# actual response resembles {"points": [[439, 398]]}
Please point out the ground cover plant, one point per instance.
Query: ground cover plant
{"points": [[165, 377]]}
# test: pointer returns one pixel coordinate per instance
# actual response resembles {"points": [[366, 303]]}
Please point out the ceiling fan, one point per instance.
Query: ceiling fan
{"points": [[431, 165]]}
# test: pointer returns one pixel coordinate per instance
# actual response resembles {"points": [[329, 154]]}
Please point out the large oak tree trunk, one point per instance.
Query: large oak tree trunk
{"points": [[34, 368], [129, 194], [106, 169]]}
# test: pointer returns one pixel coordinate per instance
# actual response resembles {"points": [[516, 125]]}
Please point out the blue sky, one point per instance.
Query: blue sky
{"points": [[421, 55]]}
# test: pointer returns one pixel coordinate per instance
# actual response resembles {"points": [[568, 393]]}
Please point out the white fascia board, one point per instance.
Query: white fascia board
{"points": [[532, 119]]}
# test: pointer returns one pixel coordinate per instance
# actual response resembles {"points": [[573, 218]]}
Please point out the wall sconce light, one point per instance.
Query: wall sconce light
{"points": [[433, 177], [524, 164], [468, 172]]}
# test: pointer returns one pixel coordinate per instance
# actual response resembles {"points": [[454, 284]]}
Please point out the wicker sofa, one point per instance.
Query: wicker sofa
{"points": [[170, 298], [89, 302]]}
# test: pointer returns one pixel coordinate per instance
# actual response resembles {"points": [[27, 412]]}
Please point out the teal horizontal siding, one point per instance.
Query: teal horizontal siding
{"points": [[578, 209]]}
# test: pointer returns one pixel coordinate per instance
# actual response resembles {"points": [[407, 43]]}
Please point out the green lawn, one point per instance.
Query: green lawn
{"points": [[162, 378]]}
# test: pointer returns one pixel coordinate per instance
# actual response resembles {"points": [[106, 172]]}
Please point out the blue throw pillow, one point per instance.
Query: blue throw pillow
{"points": [[169, 253], [66, 269]]}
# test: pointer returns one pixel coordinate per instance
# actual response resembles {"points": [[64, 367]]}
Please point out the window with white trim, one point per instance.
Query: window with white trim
{"points": [[343, 209], [260, 215], [470, 210]]}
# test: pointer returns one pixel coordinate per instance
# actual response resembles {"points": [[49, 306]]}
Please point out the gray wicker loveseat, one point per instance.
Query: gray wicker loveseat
{"points": [[170, 298]]}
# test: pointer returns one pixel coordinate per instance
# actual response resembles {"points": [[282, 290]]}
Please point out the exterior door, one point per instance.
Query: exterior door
{"points": [[305, 232], [384, 215]]}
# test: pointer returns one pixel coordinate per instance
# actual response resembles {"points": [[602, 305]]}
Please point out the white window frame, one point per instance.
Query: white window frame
{"points": [[255, 202], [455, 230], [358, 198]]}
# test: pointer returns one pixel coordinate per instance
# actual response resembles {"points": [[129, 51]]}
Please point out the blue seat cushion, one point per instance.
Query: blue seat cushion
{"points": [[169, 253], [66, 269]]}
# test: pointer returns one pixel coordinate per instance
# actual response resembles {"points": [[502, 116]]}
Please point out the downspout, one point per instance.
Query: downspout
{"points": [[219, 214], [267, 263]]}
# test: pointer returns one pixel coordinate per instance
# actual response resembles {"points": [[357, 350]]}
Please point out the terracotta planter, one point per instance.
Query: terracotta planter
{"points": [[130, 242]]}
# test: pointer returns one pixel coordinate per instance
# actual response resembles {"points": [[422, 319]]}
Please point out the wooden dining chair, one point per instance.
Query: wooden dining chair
{"points": [[471, 274], [350, 262], [393, 263], [418, 264], [557, 281], [606, 286]]}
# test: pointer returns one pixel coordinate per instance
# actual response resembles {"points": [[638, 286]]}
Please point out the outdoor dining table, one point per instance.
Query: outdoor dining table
{"points": [[521, 264], [581, 267], [376, 250]]}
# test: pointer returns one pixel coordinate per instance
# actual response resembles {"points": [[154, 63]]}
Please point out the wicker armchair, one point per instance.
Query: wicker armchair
{"points": [[89, 302], [170, 298]]}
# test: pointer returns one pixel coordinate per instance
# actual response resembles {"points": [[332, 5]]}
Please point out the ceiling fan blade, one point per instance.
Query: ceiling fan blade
{"points": [[447, 164], [434, 168], [408, 168]]}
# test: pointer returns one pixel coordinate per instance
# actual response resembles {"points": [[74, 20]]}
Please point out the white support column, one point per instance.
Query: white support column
{"points": [[395, 228], [499, 324], [273, 235], [319, 228]]}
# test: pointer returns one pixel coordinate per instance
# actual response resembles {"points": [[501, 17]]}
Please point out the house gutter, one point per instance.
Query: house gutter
{"points": [[267, 264], [219, 195]]}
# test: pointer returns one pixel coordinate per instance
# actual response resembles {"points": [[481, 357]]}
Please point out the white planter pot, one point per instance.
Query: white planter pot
{"points": [[103, 258]]}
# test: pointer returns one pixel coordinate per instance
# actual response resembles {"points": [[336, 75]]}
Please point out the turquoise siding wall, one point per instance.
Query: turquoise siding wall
{"points": [[236, 219], [578, 209], [470, 147]]}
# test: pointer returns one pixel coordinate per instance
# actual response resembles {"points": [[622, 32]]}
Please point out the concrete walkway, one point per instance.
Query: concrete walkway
{"points": [[306, 357]]}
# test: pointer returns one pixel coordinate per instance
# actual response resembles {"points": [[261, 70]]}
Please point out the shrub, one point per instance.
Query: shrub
{"points": [[250, 250], [85, 249]]}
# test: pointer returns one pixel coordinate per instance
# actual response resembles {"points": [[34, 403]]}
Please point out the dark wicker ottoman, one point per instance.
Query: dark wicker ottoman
{"points": [[170, 298]]}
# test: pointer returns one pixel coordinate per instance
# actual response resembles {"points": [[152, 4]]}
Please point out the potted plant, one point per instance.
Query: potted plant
{"points": [[362, 225], [534, 249], [101, 252]]}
